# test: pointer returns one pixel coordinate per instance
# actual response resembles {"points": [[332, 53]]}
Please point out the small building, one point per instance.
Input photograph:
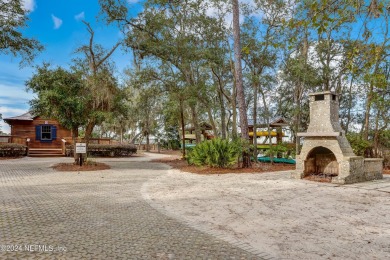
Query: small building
{"points": [[41, 135]]}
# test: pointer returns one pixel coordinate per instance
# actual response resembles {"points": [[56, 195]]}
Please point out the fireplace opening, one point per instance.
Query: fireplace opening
{"points": [[321, 165]]}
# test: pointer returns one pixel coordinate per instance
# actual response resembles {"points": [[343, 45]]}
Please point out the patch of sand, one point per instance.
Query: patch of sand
{"points": [[286, 218]]}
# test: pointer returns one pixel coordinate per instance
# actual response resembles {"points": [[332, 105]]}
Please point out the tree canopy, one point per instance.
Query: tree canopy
{"points": [[185, 67], [61, 94], [13, 18]]}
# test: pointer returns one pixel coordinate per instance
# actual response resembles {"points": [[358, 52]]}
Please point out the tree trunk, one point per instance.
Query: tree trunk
{"points": [[195, 122], [255, 90], [211, 119], [299, 89], [220, 95], [239, 81], [350, 97], [223, 115], [89, 130], [234, 117], [367, 113], [147, 142], [183, 131], [234, 105], [132, 141], [376, 134], [88, 135], [297, 116], [75, 134], [267, 114]]}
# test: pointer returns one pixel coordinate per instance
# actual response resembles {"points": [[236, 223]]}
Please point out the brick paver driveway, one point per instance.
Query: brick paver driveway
{"points": [[46, 214]]}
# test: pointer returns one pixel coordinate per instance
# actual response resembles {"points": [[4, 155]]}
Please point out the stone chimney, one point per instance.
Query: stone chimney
{"points": [[324, 112]]}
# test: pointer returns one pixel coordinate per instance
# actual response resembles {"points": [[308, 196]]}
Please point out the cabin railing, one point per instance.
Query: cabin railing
{"points": [[64, 141], [69, 140], [13, 139]]}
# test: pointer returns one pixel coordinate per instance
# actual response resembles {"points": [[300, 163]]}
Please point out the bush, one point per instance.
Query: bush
{"points": [[106, 150], [359, 146], [279, 150], [215, 153], [12, 150]]}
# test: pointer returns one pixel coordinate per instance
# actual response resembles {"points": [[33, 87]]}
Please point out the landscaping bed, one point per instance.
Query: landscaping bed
{"points": [[106, 150], [89, 166], [11, 150], [176, 162]]}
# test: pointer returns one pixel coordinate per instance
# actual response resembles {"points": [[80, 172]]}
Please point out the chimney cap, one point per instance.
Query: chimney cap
{"points": [[323, 93]]}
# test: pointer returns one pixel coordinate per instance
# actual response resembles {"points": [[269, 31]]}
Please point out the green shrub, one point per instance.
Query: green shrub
{"points": [[12, 150], [359, 145], [106, 150], [215, 153], [278, 150]]}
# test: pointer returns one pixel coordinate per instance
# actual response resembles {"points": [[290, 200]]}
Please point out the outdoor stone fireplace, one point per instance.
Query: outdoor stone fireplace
{"points": [[326, 151]]}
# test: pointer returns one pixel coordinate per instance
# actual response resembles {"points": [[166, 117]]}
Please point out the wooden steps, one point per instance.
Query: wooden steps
{"points": [[45, 152]]}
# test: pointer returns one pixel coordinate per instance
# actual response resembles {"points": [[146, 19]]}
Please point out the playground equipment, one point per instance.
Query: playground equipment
{"points": [[204, 127], [266, 133], [274, 130], [275, 160], [276, 124]]}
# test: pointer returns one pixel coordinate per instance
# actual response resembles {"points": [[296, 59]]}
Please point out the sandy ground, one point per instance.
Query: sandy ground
{"points": [[286, 218]]}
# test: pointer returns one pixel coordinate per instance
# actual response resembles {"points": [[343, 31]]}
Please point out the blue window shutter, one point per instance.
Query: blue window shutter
{"points": [[53, 132], [37, 132]]}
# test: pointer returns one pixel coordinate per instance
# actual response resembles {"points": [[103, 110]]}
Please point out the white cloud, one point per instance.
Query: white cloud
{"points": [[11, 91], [10, 112], [13, 96], [29, 5], [80, 16], [57, 21]]}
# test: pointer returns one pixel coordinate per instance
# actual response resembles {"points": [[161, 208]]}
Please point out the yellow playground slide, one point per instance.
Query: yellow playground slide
{"points": [[265, 133]]}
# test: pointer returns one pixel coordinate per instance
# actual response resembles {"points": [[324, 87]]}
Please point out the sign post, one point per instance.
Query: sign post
{"points": [[80, 149]]}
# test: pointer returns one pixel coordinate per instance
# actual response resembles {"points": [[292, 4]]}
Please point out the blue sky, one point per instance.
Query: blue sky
{"points": [[57, 25]]}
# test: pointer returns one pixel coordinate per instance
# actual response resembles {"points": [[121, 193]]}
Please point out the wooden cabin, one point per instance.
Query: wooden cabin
{"points": [[41, 135]]}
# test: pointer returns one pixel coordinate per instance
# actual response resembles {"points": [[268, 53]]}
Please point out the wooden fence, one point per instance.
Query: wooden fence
{"points": [[13, 139]]}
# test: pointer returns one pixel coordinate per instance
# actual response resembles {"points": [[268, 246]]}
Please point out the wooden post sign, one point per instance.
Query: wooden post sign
{"points": [[80, 149]]}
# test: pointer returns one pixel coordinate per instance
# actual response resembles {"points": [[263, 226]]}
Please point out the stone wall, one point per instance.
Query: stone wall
{"points": [[351, 170], [373, 169]]}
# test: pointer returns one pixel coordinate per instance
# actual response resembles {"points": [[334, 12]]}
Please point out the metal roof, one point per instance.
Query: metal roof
{"points": [[25, 117], [202, 126], [274, 122]]}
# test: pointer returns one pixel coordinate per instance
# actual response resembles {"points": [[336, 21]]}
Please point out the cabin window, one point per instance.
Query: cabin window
{"points": [[319, 97], [46, 132]]}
